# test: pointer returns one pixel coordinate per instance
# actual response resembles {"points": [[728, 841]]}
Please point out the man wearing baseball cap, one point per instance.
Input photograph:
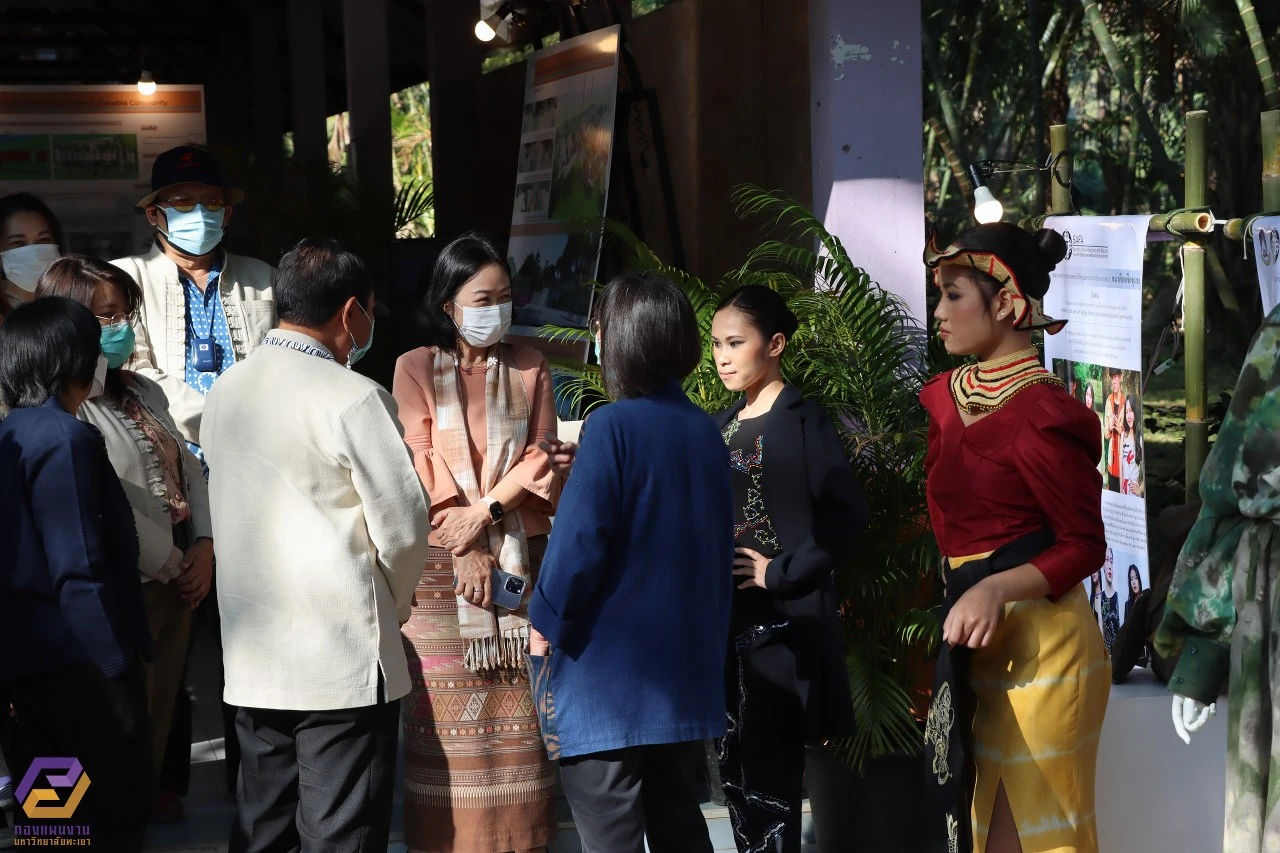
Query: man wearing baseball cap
{"points": [[203, 308]]}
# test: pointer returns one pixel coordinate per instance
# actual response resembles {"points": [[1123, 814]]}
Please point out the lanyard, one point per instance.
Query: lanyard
{"points": [[272, 339], [210, 311]]}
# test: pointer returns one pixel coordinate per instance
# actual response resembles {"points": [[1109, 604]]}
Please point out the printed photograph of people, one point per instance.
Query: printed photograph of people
{"points": [[1112, 591], [1115, 397]]}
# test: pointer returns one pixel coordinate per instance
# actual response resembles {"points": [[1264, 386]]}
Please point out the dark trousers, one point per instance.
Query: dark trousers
{"points": [[6, 749], [76, 712], [762, 754], [315, 780], [622, 796]]}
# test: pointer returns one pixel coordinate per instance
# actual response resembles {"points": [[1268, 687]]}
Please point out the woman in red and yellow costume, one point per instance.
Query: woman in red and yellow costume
{"points": [[1015, 500]]}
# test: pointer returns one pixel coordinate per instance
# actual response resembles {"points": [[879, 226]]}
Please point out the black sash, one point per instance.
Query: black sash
{"points": [[948, 735]]}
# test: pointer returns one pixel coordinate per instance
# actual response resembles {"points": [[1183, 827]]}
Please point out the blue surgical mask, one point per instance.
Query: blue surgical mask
{"points": [[357, 352], [196, 232], [117, 344]]}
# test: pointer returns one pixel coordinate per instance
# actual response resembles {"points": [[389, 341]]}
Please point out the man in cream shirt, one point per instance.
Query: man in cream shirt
{"points": [[322, 526]]}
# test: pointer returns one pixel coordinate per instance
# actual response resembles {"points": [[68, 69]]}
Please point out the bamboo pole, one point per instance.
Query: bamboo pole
{"points": [[1234, 229], [1271, 160], [1059, 140], [1261, 57], [1193, 260], [1180, 223]]}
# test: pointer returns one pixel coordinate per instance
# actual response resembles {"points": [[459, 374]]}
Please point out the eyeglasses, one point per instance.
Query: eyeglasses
{"points": [[116, 319], [185, 205]]}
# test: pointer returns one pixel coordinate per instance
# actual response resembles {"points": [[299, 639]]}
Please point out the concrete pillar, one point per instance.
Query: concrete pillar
{"points": [[265, 28], [866, 100], [369, 100], [454, 58], [306, 71]]}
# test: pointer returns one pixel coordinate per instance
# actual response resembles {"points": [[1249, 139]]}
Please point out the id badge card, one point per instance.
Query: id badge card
{"points": [[205, 359]]}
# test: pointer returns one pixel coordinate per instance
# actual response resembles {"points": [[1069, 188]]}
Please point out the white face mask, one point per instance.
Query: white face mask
{"points": [[484, 327], [99, 386], [24, 265]]}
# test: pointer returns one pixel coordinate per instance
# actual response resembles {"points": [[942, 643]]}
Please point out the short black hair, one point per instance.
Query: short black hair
{"points": [[649, 333], [46, 346], [764, 309], [315, 279], [28, 203], [459, 262]]}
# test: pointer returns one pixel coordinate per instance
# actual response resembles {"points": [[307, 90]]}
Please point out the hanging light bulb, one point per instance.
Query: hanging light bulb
{"points": [[487, 28], [146, 84], [986, 207]]}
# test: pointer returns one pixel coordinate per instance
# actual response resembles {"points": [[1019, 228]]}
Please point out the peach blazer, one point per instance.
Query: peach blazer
{"points": [[414, 391]]}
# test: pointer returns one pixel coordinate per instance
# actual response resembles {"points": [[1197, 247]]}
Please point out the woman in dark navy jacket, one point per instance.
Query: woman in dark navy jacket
{"points": [[633, 597], [72, 621], [799, 513]]}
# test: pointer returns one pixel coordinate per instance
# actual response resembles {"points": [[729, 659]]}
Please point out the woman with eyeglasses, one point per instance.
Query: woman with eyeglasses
{"points": [[30, 240], [161, 478]]}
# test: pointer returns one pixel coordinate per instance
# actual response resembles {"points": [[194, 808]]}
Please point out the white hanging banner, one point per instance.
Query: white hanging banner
{"points": [[1266, 253], [1097, 289]]}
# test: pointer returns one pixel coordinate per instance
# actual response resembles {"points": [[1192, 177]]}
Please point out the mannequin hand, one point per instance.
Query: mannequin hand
{"points": [[1189, 716]]}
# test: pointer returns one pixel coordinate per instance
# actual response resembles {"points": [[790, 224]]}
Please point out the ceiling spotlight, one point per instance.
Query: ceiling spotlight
{"points": [[487, 28], [146, 84]]}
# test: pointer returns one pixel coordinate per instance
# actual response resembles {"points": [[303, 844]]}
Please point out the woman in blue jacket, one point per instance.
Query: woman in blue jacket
{"points": [[631, 612], [72, 621]]}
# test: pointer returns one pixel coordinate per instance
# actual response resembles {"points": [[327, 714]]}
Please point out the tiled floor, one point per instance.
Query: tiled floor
{"points": [[210, 808]]}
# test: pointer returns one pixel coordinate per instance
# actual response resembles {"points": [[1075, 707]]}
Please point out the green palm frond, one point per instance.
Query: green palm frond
{"points": [[413, 201]]}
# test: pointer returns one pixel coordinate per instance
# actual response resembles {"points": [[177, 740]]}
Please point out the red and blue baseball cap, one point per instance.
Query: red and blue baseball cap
{"points": [[188, 164]]}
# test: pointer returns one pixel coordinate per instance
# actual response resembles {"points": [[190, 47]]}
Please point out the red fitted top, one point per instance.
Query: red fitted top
{"points": [[1033, 464]]}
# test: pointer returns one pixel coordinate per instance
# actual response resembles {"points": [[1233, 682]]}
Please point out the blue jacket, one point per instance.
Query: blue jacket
{"points": [[69, 586], [635, 588]]}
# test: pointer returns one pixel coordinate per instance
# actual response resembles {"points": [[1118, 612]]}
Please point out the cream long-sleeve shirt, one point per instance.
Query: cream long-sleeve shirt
{"points": [[248, 302], [320, 528]]}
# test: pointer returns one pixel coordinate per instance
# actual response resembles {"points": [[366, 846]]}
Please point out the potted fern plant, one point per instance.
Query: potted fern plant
{"points": [[858, 354]]}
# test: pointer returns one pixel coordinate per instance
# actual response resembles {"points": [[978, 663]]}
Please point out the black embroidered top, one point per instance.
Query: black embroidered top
{"points": [[752, 526]]}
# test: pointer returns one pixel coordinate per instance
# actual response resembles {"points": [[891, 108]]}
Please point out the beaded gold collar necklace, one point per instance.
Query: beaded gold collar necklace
{"points": [[988, 385]]}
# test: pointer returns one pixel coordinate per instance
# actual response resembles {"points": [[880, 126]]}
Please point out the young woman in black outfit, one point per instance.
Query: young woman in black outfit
{"points": [[799, 514]]}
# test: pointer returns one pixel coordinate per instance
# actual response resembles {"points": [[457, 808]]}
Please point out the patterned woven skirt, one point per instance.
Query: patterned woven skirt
{"points": [[477, 778]]}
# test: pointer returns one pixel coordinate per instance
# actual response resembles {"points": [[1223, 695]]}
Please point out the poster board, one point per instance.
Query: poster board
{"points": [[1097, 289], [1266, 253], [562, 185], [87, 151]]}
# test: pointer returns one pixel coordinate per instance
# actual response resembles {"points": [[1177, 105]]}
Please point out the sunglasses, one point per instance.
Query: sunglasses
{"points": [[183, 205]]}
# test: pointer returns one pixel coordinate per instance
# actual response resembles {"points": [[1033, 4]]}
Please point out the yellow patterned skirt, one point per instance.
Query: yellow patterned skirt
{"points": [[1041, 688]]}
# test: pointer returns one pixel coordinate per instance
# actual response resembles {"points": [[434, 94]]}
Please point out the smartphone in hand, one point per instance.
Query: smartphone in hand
{"points": [[508, 589]]}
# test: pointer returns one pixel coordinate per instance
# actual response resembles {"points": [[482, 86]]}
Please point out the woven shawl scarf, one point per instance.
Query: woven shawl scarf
{"points": [[493, 642], [948, 733]]}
